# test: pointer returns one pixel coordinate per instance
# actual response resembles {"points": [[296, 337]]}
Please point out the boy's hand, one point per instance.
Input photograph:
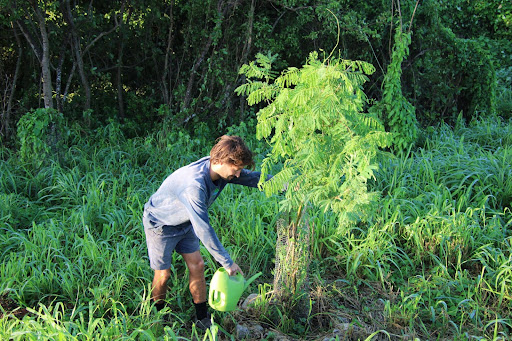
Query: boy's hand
{"points": [[233, 269]]}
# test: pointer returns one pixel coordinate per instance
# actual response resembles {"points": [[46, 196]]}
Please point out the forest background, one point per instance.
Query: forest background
{"points": [[92, 91]]}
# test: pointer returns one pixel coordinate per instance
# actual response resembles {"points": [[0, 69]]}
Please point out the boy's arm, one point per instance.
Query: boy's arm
{"points": [[248, 178], [194, 199]]}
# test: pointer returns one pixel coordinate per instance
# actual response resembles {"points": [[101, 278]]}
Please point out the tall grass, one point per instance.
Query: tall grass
{"points": [[435, 261]]}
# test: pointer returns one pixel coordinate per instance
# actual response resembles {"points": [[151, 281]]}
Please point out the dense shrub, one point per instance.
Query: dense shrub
{"points": [[448, 75]]}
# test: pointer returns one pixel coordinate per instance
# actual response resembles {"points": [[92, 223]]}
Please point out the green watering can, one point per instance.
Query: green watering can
{"points": [[226, 290]]}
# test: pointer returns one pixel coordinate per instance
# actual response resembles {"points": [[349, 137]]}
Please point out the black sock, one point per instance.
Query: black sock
{"points": [[160, 305], [201, 310]]}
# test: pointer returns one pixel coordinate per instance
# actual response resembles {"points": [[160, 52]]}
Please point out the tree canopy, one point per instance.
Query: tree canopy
{"points": [[146, 62]]}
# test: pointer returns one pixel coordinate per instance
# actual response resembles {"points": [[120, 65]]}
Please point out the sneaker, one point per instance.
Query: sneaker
{"points": [[204, 323]]}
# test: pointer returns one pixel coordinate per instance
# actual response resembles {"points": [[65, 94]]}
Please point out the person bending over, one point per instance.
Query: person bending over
{"points": [[176, 217]]}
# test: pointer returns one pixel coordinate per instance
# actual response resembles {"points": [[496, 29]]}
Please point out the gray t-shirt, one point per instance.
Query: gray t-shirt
{"points": [[184, 198]]}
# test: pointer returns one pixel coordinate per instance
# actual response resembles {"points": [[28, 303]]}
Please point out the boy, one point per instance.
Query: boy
{"points": [[176, 218]]}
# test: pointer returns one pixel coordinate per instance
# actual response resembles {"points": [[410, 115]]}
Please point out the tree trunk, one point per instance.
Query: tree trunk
{"points": [[167, 75], [59, 98], [248, 41], [45, 59], [119, 81], [245, 53], [7, 114], [199, 61], [222, 9], [75, 46], [291, 273], [88, 47], [119, 74]]}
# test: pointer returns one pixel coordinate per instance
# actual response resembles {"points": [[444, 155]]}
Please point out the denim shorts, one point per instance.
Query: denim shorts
{"points": [[163, 240]]}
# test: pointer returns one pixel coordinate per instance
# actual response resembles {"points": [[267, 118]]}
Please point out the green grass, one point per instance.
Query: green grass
{"points": [[435, 261]]}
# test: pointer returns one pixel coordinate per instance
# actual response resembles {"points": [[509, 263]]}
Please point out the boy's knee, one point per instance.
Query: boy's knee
{"points": [[162, 276], [196, 267]]}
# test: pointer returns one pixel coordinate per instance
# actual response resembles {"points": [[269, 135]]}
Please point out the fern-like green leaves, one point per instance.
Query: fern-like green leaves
{"points": [[315, 123]]}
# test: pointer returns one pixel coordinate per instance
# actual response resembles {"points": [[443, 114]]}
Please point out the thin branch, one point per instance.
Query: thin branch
{"points": [[102, 34], [30, 39], [400, 16], [338, 39], [412, 16], [391, 26]]}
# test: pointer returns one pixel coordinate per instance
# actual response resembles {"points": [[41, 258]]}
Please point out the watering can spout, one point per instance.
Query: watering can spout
{"points": [[250, 280]]}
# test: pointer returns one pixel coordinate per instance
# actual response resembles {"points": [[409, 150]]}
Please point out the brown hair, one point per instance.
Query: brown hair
{"points": [[232, 150]]}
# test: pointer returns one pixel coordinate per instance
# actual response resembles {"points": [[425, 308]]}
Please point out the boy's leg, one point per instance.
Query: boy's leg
{"points": [[197, 286], [197, 282], [159, 287]]}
